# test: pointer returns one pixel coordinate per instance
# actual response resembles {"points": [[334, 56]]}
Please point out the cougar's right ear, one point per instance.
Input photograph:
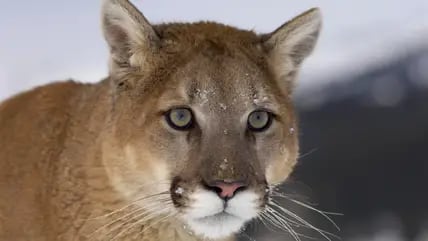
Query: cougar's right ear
{"points": [[128, 34]]}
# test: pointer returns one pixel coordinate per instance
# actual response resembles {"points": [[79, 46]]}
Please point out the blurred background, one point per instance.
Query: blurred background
{"points": [[362, 98]]}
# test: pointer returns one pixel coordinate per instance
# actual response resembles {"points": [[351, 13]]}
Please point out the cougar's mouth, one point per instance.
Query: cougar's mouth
{"points": [[209, 214]]}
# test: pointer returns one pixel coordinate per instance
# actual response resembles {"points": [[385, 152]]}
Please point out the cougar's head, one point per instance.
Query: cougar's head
{"points": [[202, 123]]}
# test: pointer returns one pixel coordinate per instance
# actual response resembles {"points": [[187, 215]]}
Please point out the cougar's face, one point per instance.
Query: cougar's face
{"points": [[232, 132], [202, 124], [216, 136]]}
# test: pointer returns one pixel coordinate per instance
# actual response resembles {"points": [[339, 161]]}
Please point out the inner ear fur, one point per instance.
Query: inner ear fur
{"points": [[291, 43]]}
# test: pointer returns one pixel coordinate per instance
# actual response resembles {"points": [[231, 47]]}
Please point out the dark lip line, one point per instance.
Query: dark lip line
{"points": [[218, 214]]}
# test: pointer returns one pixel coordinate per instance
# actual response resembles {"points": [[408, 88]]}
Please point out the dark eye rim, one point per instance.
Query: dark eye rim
{"points": [[268, 123], [187, 127]]}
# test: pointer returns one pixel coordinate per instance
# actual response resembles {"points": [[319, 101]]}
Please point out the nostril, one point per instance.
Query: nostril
{"points": [[226, 189], [215, 189]]}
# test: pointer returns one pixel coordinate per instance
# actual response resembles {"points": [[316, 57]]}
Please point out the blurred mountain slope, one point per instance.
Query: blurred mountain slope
{"points": [[370, 133]]}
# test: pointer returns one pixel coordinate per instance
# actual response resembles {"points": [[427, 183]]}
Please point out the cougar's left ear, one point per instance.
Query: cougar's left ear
{"points": [[127, 32], [291, 43]]}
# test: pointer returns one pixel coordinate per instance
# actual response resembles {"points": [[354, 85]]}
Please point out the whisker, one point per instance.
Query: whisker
{"points": [[129, 205], [304, 222], [172, 214], [281, 224], [140, 220], [308, 153], [144, 216], [290, 222], [278, 194], [145, 219], [273, 211], [141, 210], [322, 213], [262, 218], [287, 226]]}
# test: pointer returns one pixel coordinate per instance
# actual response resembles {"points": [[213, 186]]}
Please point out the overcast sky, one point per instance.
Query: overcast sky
{"points": [[47, 40]]}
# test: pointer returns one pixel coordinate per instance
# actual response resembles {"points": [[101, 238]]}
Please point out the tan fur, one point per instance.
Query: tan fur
{"points": [[70, 153]]}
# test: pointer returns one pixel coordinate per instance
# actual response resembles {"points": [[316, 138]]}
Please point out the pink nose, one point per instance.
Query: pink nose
{"points": [[227, 189]]}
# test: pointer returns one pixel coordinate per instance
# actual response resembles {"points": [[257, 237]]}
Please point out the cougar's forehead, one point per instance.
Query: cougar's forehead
{"points": [[224, 85]]}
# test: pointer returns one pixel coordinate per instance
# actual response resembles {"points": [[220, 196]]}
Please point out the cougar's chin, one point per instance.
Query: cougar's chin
{"points": [[209, 216], [217, 226]]}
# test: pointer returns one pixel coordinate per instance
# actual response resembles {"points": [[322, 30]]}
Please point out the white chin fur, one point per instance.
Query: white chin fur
{"points": [[206, 216], [216, 227]]}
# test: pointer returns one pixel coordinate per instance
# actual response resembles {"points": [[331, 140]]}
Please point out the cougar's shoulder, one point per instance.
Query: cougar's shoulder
{"points": [[42, 112], [34, 128]]}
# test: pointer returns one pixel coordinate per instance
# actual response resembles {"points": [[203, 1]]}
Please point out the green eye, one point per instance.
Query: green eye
{"points": [[259, 120], [180, 118]]}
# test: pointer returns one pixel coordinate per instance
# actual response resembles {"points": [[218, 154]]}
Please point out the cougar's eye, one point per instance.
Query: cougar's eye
{"points": [[180, 118], [259, 120]]}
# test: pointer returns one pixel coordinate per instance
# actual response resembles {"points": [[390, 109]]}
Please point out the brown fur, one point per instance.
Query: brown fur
{"points": [[72, 153]]}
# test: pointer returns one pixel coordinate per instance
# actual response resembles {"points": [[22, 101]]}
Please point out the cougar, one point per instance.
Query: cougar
{"points": [[184, 140]]}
